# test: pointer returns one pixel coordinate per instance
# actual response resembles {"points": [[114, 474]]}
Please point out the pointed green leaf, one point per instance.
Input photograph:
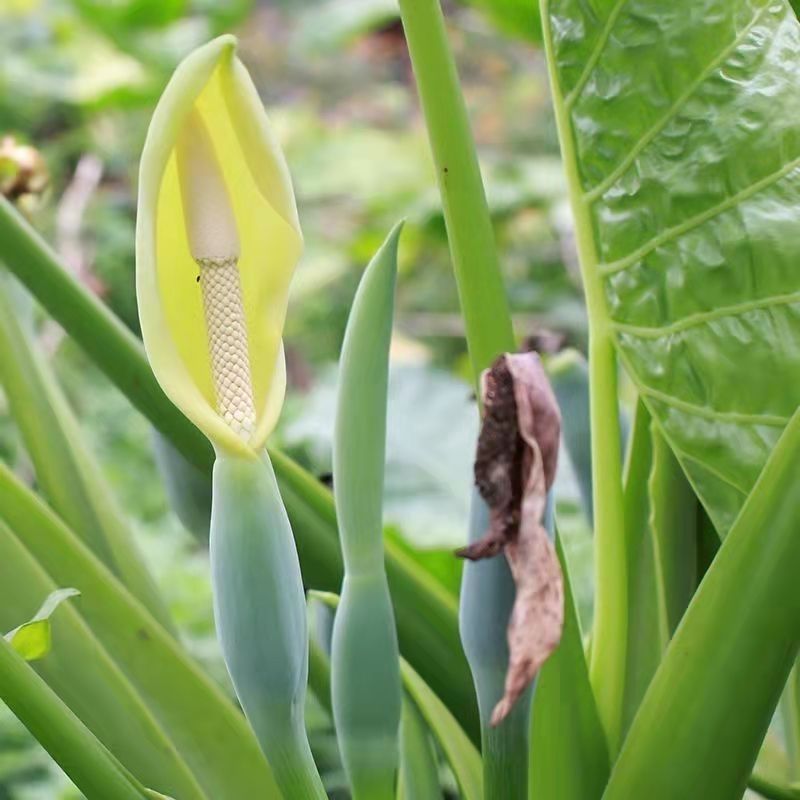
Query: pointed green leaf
{"points": [[365, 671], [32, 639]]}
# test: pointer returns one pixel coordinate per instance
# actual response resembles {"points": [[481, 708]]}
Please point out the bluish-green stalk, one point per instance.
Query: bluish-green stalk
{"points": [[487, 599], [365, 657], [260, 613]]}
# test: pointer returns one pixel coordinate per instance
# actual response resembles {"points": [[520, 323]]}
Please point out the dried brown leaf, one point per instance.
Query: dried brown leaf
{"points": [[515, 466]]}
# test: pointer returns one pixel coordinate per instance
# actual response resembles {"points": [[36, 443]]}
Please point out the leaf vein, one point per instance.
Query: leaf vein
{"points": [[593, 194], [770, 420], [695, 320], [675, 232], [594, 57]]}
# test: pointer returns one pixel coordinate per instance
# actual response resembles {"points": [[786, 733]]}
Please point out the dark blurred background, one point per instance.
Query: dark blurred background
{"points": [[78, 83]]}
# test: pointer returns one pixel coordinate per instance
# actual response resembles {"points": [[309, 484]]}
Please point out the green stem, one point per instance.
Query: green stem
{"points": [[466, 213], [609, 639], [94, 327]]}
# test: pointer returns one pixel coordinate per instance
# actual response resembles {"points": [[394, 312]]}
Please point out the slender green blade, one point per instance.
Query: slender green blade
{"points": [[673, 518], [461, 755], [419, 771], [90, 766], [688, 229], [569, 757], [202, 725], [66, 470], [648, 629], [738, 639], [80, 671]]}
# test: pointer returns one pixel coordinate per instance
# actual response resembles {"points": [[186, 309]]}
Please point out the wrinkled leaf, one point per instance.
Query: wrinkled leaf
{"points": [[32, 640], [680, 128]]}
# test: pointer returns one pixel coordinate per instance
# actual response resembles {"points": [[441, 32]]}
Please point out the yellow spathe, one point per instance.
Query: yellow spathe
{"points": [[213, 82]]}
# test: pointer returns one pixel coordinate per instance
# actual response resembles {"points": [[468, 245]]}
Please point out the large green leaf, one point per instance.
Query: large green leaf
{"points": [[680, 130]]}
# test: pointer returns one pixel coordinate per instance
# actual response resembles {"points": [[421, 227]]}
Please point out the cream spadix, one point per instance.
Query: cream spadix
{"points": [[214, 245], [217, 241]]}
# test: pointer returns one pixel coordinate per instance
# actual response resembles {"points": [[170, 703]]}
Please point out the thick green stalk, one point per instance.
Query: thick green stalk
{"points": [[469, 225], [609, 638], [738, 639], [426, 614], [364, 653], [260, 613], [90, 766]]}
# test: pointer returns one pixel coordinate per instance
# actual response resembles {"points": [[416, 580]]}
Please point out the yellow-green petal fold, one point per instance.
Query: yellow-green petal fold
{"points": [[212, 83]]}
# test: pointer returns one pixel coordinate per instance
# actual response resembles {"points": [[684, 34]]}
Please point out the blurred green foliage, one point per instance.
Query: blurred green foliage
{"points": [[78, 81]]}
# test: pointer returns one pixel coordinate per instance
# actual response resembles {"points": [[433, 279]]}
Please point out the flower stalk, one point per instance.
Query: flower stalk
{"points": [[217, 242]]}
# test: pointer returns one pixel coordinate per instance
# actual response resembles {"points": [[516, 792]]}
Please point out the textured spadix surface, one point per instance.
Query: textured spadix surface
{"points": [[212, 84], [680, 128]]}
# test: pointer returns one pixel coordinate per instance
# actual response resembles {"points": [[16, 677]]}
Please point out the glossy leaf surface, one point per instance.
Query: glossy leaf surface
{"points": [[680, 128]]}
